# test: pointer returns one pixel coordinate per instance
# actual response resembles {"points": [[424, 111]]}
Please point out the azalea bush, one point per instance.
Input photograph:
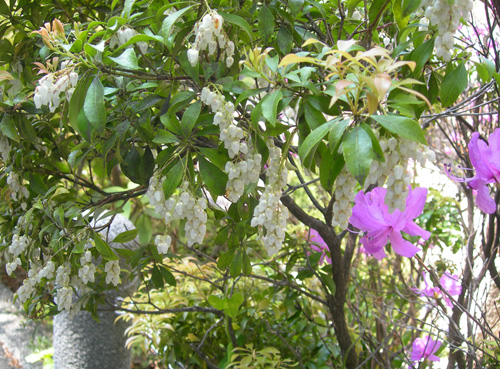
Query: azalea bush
{"points": [[274, 158]]}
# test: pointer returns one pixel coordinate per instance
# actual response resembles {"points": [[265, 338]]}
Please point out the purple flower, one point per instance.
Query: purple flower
{"points": [[318, 244], [451, 285], [427, 290], [486, 160], [424, 348], [371, 215]]}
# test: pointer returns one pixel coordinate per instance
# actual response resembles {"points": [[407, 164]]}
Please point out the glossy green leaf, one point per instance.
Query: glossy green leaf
{"points": [[238, 21], [126, 236], [190, 117], [336, 133], [94, 105], [313, 139], [166, 27], [378, 154], [401, 126], [173, 179], [236, 265], [8, 128], [421, 55], [127, 59], [168, 276], [454, 83], [357, 151], [266, 22], [103, 248], [270, 106], [284, 40], [214, 178], [165, 137]]}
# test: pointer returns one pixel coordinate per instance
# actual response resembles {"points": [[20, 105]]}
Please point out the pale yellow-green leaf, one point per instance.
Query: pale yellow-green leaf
{"points": [[293, 59], [312, 41]]}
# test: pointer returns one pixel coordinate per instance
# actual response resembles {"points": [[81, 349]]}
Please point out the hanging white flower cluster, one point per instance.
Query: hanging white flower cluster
{"points": [[247, 169], [18, 244], [270, 215], [242, 173], [87, 272], [51, 87], [112, 269], [17, 189], [447, 19], [123, 36], [178, 207], [230, 134], [163, 243], [209, 35], [345, 184], [28, 287], [64, 291]]}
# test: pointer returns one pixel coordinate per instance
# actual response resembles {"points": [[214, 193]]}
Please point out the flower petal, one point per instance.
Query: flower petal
{"points": [[415, 202], [414, 230], [401, 246], [483, 198]]}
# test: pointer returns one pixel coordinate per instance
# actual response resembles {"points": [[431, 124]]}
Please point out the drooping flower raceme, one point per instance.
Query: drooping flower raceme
{"points": [[424, 348], [209, 35], [371, 215], [486, 161]]}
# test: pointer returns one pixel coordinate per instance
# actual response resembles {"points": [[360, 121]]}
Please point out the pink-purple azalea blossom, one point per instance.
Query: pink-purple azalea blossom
{"points": [[318, 244], [424, 348], [485, 158], [371, 215], [450, 284]]}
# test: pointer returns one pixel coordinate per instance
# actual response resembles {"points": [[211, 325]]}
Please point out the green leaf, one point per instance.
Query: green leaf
{"points": [[145, 229], [236, 265], [336, 133], [103, 248], [173, 179], [284, 40], [376, 10], [127, 59], [156, 277], [377, 150], [421, 55], [37, 185], [217, 302], [225, 259], [357, 151], [190, 117], [401, 19], [217, 157], [401, 126], [127, 8], [247, 266], [454, 83], [330, 168], [214, 178], [410, 6], [266, 22], [270, 106], [168, 22], [94, 105], [233, 304], [313, 139], [238, 21], [164, 137], [168, 276], [8, 128], [126, 236], [295, 6], [77, 101]]}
